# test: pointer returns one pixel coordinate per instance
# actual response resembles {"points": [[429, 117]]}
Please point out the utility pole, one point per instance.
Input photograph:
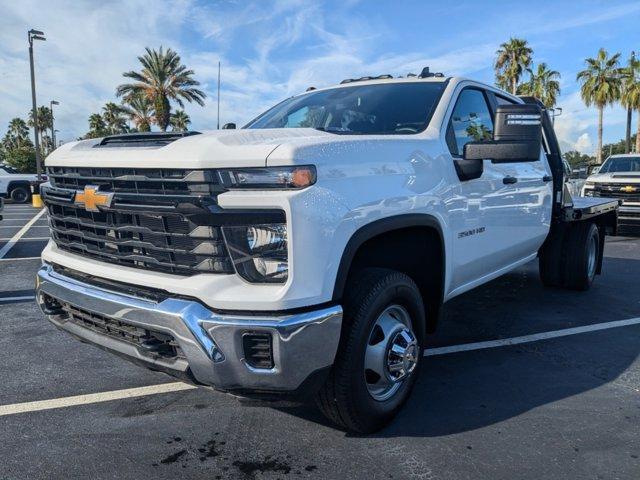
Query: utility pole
{"points": [[53, 130], [627, 143], [218, 95], [35, 35]]}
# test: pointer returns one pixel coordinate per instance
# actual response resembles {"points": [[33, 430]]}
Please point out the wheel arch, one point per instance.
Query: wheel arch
{"points": [[369, 240]]}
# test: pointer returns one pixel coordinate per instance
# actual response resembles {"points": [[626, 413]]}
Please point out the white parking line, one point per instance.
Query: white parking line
{"points": [[27, 239], [13, 299], [19, 258], [36, 406], [93, 398], [9, 245], [466, 347]]}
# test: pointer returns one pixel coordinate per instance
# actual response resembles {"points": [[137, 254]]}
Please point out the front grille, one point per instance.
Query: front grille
{"points": [[137, 180], [152, 343], [613, 190], [158, 220]]}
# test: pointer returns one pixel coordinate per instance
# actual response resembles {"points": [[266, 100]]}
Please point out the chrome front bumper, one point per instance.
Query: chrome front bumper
{"points": [[302, 343]]}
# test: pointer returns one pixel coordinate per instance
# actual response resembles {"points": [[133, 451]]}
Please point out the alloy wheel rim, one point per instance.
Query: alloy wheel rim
{"points": [[392, 353]]}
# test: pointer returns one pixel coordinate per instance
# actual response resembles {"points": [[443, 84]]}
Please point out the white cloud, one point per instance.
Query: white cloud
{"points": [[584, 143]]}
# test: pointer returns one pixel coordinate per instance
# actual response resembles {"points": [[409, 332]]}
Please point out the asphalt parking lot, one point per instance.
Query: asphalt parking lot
{"points": [[562, 402]]}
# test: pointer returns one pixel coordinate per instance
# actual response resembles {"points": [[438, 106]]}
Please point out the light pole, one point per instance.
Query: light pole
{"points": [[555, 112], [35, 35], [53, 130]]}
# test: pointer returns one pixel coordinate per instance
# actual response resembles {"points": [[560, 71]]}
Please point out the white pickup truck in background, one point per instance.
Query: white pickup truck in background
{"points": [[618, 177], [15, 185], [312, 251]]}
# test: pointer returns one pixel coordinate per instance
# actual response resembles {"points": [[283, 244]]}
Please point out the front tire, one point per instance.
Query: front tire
{"points": [[20, 194], [380, 353]]}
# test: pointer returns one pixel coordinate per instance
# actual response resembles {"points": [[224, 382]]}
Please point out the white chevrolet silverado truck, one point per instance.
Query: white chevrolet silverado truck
{"points": [[619, 177], [15, 185], [310, 253]]}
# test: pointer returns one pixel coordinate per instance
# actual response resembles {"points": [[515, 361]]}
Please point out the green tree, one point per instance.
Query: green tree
{"points": [[180, 121], [543, 84], [162, 78], [22, 159], [45, 121], [17, 135], [600, 86], [630, 97], [576, 158], [140, 110], [513, 58], [114, 119], [97, 127]]}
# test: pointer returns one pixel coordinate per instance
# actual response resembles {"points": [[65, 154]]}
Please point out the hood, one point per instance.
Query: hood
{"points": [[615, 177], [220, 148]]}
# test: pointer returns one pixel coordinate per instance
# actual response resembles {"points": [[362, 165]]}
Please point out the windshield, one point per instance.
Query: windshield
{"points": [[621, 164], [392, 108], [8, 169]]}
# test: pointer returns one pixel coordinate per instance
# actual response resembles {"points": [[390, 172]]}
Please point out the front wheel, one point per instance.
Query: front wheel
{"points": [[20, 194], [379, 354]]}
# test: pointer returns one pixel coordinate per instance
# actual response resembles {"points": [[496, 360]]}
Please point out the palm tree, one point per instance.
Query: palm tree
{"points": [[601, 86], [113, 118], [513, 58], [543, 84], [140, 111], [17, 135], [45, 120], [162, 78], [180, 121], [631, 93], [97, 127]]}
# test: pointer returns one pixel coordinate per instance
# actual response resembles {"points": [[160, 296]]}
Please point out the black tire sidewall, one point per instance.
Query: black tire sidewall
{"points": [[18, 191], [399, 292], [593, 233]]}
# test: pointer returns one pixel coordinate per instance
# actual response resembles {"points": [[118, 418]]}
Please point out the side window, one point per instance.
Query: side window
{"points": [[470, 121]]}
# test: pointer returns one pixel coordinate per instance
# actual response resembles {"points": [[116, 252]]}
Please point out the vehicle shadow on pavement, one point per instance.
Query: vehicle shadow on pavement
{"points": [[465, 391]]}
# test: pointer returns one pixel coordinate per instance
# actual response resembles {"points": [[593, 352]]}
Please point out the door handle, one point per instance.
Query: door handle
{"points": [[509, 180], [547, 178]]}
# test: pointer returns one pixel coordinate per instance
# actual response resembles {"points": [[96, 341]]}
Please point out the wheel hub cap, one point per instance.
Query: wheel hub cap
{"points": [[402, 357], [392, 353]]}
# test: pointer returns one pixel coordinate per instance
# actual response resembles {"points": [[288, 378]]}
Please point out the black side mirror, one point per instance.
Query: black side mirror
{"points": [[517, 136], [229, 126]]}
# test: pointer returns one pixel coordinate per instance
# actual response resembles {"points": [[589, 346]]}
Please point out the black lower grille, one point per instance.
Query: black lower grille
{"points": [[258, 350], [154, 344]]}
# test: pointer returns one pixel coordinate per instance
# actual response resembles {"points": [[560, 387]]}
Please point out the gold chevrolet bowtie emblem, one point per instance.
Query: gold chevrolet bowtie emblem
{"points": [[91, 198], [628, 189]]}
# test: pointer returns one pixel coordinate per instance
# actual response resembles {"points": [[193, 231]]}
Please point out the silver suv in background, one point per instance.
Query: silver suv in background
{"points": [[618, 177]]}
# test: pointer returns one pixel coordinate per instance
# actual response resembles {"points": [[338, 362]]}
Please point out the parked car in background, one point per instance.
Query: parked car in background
{"points": [[15, 185], [618, 177], [1, 207]]}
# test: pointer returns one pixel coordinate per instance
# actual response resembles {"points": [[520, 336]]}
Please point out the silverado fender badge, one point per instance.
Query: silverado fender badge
{"points": [[91, 198]]}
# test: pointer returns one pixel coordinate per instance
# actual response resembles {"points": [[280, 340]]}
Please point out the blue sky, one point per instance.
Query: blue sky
{"points": [[272, 49]]}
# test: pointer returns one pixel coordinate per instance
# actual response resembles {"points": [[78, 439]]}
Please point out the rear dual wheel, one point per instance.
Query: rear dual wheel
{"points": [[379, 354]]}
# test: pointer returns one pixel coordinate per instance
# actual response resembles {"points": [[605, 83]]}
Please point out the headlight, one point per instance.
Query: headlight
{"points": [[589, 184], [259, 252], [282, 178]]}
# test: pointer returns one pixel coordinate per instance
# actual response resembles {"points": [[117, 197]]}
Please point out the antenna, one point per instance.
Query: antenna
{"points": [[218, 95]]}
